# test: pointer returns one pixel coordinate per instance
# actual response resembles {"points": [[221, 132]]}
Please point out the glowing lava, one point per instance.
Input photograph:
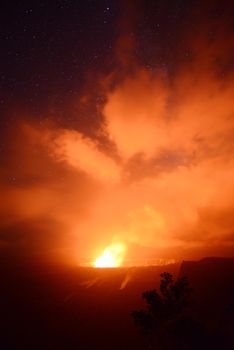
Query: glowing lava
{"points": [[112, 256]]}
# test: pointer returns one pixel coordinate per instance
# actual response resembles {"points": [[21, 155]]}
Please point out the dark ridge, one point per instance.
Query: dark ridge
{"points": [[212, 280]]}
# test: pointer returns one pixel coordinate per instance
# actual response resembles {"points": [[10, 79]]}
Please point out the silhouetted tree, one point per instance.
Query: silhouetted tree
{"points": [[165, 320], [172, 320]]}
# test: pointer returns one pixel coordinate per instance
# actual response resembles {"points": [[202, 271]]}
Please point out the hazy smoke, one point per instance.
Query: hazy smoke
{"points": [[158, 173]]}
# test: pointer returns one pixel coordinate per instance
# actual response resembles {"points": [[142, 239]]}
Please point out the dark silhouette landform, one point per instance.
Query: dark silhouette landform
{"points": [[48, 307]]}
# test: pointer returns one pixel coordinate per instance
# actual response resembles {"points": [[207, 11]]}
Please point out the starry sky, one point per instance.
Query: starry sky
{"points": [[116, 125]]}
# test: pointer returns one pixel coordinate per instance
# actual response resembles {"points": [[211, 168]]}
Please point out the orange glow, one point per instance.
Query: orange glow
{"points": [[112, 256], [154, 171]]}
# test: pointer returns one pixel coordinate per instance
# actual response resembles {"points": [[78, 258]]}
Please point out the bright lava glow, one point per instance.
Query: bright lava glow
{"points": [[112, 256]]}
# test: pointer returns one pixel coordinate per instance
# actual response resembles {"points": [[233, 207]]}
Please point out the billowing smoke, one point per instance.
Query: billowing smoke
{"points": [[156, 173]]}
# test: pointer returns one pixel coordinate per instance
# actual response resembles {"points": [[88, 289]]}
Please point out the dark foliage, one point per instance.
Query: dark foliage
{"points": [[166, 320], [165, 306]]}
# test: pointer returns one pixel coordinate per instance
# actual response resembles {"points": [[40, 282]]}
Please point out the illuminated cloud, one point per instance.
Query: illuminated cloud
{"points": [[156, 174], [135, 115], [83, 154]]}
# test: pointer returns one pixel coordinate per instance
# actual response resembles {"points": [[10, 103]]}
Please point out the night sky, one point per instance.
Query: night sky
{"points": [[50, 48], [117, 123]]}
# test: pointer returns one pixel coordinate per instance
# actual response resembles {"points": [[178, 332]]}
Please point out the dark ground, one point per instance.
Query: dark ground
{"points": [[85, 308]]}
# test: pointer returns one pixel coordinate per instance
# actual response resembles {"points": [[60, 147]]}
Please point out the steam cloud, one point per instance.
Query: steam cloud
{"points": [[157, 173]]}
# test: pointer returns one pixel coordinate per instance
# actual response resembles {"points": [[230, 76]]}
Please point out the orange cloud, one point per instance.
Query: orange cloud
{"points": [[83, 154], [157, 174], [135, 115]]}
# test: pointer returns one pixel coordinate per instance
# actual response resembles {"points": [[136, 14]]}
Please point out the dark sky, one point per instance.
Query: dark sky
{"points": [[110, 112], [49, 47]]}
